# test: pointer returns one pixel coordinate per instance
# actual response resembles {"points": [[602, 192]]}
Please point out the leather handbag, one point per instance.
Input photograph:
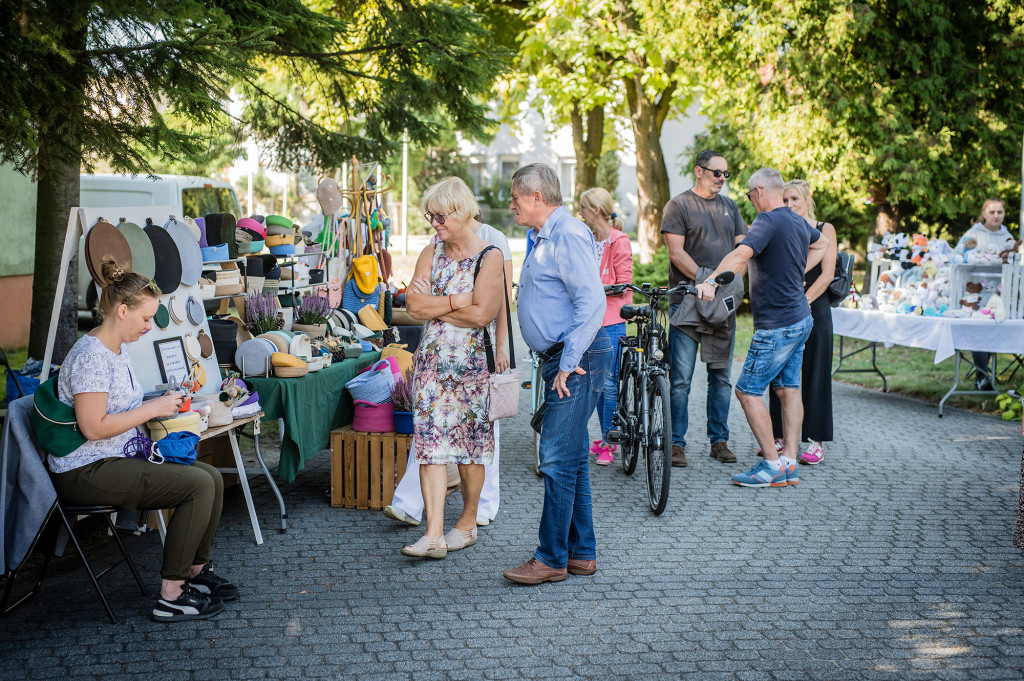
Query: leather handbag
{"points": [[503, 389], [839, 289]]}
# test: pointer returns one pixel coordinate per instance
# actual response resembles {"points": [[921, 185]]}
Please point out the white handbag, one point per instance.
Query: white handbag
{"points": [[502, 389]]}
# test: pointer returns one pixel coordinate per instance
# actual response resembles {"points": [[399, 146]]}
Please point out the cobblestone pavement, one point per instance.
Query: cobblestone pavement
{"points": [[892, 560]]}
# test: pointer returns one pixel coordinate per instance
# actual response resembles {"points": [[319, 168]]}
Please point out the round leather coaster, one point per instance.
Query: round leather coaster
{"points": [[188, 251], [192, 348], [143, 259], [195, 311], [177, 309], [104, 239], [168, 260], [162, 318], [205, 344]]}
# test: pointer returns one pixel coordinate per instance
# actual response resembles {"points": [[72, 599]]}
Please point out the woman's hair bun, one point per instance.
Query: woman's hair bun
{"points": [[111, 270]]}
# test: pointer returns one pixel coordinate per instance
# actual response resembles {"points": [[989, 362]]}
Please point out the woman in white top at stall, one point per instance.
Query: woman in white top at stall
{"points": [[989, 235]]}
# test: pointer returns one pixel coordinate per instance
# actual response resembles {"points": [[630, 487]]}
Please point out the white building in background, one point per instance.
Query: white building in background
{"points": [[533, 140]]}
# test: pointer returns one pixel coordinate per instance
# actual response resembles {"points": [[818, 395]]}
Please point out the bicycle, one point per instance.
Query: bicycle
{"points": [[535, 384], [643, 414]]}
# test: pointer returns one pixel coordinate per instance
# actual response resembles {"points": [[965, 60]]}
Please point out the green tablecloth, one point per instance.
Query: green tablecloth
{"points": [[311, 406]]}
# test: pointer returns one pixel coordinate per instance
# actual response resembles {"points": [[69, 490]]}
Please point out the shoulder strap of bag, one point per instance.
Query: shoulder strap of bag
{"points": [[491, 366]]}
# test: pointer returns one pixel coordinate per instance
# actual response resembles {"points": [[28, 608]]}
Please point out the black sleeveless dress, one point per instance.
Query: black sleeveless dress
{"points": [[816, 381]]}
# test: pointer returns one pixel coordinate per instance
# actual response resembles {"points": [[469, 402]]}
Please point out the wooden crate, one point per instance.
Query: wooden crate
{"points": [[366, 467]]}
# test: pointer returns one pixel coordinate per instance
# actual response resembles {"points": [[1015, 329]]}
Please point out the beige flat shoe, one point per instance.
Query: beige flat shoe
{"points": [[460, 539], [427, 547]]}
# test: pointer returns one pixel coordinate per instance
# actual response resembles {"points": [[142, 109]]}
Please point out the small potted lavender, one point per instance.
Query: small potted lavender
{"points": [[403, 399], [260, 313], [311, 314]]}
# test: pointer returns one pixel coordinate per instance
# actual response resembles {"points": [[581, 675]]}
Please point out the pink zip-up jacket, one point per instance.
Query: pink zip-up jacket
{"points": [[616, 268]]}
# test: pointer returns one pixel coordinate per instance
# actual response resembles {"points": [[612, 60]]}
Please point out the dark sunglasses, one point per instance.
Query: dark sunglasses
{"points": [[430, 217], [717, 173]]}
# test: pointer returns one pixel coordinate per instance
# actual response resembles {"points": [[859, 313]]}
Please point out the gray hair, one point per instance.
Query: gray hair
{"points": [[768, 178], [539, 177]]}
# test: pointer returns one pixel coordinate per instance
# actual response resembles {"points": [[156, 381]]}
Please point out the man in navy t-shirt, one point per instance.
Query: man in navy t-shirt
{"points": [[779, 247]]}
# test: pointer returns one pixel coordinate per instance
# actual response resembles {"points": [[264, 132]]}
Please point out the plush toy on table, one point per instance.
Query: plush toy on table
{"points": [[972, 298]]}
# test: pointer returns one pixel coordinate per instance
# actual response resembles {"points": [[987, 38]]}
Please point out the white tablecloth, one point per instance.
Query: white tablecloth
{"points": [[941, 334]]}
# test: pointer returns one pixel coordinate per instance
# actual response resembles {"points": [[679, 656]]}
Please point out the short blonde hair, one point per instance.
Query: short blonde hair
{"points": [[804, 187], [600, 200], [450, 196]]}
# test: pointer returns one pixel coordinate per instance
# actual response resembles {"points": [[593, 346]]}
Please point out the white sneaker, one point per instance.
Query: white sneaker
{"points": [[481, 521], [401, 516]]}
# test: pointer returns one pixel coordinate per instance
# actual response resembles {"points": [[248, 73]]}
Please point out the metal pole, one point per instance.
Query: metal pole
{"points": [[405, 193]]}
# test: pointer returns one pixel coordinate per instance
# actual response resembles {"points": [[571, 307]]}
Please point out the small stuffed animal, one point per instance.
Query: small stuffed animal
{"points": [[972, 298]]}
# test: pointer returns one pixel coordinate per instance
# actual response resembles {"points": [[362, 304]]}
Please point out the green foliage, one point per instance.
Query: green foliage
{"points": [[908, 107], [1010, 406], [134, 83], [654, 272], [439, 163]]}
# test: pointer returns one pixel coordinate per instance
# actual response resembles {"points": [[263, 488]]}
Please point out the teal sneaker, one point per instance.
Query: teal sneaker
{"points": [[792, 474], [761, 475]]}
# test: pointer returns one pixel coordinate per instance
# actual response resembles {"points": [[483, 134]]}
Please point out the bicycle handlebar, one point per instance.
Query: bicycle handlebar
{"points": [[662, 291]]}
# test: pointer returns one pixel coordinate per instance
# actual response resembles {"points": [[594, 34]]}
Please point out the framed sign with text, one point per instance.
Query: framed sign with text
{"points": [[170, 356]]}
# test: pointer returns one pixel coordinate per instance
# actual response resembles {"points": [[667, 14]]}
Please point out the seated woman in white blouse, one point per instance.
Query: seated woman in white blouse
{"points": [[96, 378]]}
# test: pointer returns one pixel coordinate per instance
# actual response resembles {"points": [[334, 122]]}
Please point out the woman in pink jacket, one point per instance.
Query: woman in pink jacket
{"points": [[615, 258]]}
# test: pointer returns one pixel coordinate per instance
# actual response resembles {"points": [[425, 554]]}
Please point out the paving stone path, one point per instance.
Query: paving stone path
{"points": [[892, 560]]}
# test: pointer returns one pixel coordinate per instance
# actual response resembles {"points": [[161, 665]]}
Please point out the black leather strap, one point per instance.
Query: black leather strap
{"points": [[491, 366]]}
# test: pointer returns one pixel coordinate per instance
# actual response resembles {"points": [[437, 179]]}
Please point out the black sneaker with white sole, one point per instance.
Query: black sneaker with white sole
{"points": [[206, 582], [190, 605]]}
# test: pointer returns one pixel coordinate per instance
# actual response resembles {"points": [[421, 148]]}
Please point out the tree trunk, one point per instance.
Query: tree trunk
{"points": [[588, 140], [57, 191], [651, 178], [647, 115]]}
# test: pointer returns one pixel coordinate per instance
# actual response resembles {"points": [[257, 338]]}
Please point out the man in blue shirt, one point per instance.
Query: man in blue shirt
{"points": [[561, 305], [780, 247]]}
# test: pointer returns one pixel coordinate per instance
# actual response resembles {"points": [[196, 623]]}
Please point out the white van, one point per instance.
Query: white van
{"points": [[192, 196]]}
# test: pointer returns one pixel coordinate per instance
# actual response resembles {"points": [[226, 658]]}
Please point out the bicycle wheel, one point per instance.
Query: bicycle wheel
{"points": [[659, 442], [626, 410]]}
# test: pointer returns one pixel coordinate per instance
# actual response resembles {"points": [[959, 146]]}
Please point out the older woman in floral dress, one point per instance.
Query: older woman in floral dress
{"points": [[450, 415]]}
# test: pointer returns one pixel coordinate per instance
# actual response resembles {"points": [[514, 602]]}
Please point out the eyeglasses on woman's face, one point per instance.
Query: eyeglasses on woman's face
{"points": [[716, 173], [439, 217]]}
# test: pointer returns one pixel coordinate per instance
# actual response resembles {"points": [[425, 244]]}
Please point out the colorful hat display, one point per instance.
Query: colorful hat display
{"points": [[252, 356], [329, 196], [220, 229], [143, 258], [201, 224], [104, 239], [168, 262], [250, 224], [188, 250]]}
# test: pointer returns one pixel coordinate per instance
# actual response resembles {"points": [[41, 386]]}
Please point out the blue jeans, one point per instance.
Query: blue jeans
{"points": [[609, 395], [776, 357], [683, 351], [567, 520]]}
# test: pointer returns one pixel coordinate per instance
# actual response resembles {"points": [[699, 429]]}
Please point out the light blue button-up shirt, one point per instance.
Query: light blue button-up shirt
{"points": [[561, 298]]}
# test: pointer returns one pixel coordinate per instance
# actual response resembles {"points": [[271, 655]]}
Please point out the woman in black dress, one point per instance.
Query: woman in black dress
{"points": [[816, 383]]}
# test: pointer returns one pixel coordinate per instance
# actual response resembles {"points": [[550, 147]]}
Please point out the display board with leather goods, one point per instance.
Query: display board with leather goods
{"points": [[178, 351]]}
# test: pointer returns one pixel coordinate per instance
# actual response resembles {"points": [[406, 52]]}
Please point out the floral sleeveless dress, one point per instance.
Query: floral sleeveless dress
{"points": [[450, 415]]}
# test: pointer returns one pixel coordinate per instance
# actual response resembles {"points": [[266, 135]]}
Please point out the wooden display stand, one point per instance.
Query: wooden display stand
{"points": [[366, 467]]}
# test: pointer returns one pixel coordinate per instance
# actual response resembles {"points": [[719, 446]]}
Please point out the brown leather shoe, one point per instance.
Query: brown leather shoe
{"points": [[535, 572], [678, 456], [581, 567], [721, 451]]}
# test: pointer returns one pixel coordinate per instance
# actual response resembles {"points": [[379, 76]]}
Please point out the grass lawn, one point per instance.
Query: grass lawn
{"points": [[908, 371]]}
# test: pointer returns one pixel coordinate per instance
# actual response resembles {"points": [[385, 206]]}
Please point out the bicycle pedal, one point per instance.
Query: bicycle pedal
{"points": [[526, 384], [614, 436]]}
